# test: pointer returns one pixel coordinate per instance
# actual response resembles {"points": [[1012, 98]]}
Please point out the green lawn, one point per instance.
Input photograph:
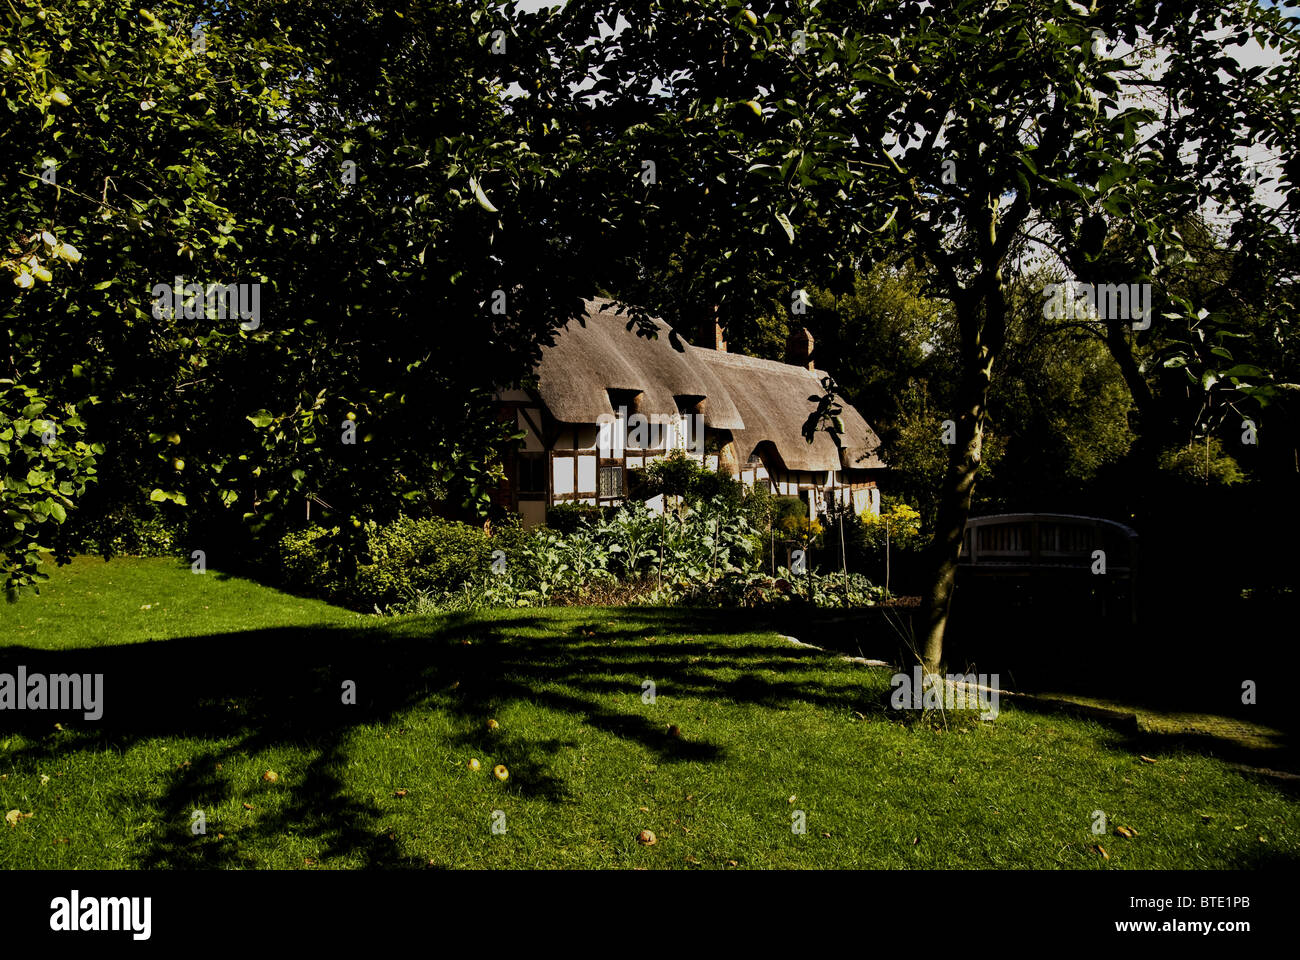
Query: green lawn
{"points": [[212, 681]]}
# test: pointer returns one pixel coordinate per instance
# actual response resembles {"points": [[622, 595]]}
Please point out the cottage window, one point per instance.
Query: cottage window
{"points": [[532, 473], [610, 482]]}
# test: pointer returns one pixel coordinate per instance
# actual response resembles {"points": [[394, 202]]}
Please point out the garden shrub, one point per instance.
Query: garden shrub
{"points": [[302, 561], [1202, 464], [408, 557], [508, 533], [787, 509], [130, 532], [759, 506], [672, 476], [388, 564], [570, 517], [854, 554], [707, 485], [900, 523], [802, 529], [706, 552], [680, 477], [755, 590]]}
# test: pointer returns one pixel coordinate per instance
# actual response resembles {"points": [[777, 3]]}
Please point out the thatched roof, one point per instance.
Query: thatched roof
{"points": [[586, 362], [759, 401], [773, 401]]}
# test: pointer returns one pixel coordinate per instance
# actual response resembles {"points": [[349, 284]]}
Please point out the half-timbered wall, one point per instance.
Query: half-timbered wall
{"points": [[589, 463]]}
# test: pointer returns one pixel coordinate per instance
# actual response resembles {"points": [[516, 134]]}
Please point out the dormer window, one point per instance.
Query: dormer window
{"points": [[624, 402], [690, 424]]}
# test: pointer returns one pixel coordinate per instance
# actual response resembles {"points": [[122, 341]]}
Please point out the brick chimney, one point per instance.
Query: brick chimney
{"points": [[719, 343], [799, 349]]}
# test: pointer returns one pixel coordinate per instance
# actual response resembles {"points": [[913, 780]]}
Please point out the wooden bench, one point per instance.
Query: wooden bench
{"points": [[1056, 545]]}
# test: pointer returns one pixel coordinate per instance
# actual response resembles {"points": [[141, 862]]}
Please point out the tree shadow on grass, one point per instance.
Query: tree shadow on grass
{"points": [[242, 693], [1271, 758]]}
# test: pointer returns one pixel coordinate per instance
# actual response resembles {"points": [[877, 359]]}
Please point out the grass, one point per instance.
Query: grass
{"points": [[212, 681]]}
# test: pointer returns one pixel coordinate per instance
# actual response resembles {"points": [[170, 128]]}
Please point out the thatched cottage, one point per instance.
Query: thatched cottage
{"points": [[608, 401]]}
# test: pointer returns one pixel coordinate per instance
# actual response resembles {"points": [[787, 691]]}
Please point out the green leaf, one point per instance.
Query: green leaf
{"points": [[481, 197], [782, 219], [1242, 370]]}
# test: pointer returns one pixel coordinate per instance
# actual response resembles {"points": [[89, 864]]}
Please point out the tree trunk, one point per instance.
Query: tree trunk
{"points": [[981, 311], [981, 319], [1121, 352], [954, 509]]}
